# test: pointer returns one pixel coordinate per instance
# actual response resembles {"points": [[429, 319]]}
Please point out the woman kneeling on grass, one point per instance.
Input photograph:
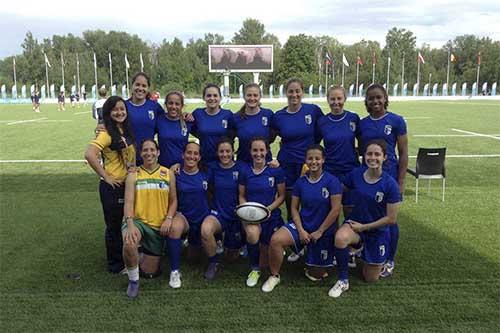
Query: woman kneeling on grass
{"points": [[150, 206], [318, 194], [376, 205]]}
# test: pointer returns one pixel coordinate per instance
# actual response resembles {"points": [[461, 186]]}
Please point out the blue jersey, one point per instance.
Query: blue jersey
{"points": [[224, 181], [142, 119], [192, 196], [262, 187], [387, 128], [297, 131], [315, 203], [250, 126], [209, 129], [339, 133], [370, 200], [172, 138]]}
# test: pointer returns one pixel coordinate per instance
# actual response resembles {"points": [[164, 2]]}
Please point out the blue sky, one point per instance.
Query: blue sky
{"points": [[433, 22]]}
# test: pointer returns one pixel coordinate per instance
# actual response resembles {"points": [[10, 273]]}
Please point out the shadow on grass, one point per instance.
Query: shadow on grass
{"points": [[48, 233]]}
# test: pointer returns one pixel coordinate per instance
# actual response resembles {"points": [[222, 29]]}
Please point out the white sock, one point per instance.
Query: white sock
{"points": [[133, 273]]}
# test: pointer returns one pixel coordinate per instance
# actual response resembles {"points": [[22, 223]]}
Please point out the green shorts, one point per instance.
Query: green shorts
{"points": [[151, 240]]}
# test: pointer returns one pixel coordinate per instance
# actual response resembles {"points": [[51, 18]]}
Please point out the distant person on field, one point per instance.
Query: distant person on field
{"points": [[72, 99], [84, 95], [61, 102], [97, 107], [36, 102], [77, 97]]}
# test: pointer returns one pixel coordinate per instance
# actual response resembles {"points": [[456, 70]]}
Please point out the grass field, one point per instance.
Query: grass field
{"points": [[447, 276]]}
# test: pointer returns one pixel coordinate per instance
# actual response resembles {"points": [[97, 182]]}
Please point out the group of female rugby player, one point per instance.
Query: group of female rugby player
{"points": [[182, 189]]}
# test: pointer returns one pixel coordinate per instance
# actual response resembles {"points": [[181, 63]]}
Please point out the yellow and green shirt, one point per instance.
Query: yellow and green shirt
{"points": [[115, 163]]}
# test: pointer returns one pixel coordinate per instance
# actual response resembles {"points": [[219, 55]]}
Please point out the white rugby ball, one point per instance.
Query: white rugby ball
{"points": [[252, 212]]}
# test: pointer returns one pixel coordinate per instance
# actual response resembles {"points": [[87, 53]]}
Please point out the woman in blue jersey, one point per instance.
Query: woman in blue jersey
{"points": [[250, 121], [211, 123], [376, 205], [296, 125], [192, 197], [315, 207], [265, 185], [115, 145], [173, 131], [143, 112], [390, 127]]}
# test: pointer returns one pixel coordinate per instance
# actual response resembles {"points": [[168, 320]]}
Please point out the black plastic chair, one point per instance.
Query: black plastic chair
{"points": [[430, 165]]}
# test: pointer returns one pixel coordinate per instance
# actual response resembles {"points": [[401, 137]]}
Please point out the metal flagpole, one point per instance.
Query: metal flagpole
{"points": [[14, 67], [343, 65], [448, 71], [95, 74], [62, 69], [403, 74], [388, 72], [126, 72], [333, 72], [47, 92], [357, 75], [326, 75], [77, 72], [418, 75], [478, 67], [110, 72]]}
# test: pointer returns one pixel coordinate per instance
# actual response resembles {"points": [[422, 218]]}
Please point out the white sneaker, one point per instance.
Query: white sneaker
{"points": [[339, 288], [271, 282], [253, 278], [175, 279], [295, 256]]}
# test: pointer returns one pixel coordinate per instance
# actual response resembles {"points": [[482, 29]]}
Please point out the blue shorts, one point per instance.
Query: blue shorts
{"points": [[318, 254], [194, 233], [268, 228], [292, 173], [375, 247], [234, 234]]}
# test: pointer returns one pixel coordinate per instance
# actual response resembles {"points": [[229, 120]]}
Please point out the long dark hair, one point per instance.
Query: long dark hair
{"points": [[148, 80], [117, 142]]}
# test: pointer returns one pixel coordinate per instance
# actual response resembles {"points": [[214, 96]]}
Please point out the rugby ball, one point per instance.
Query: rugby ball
{"points": [[252, 212]]}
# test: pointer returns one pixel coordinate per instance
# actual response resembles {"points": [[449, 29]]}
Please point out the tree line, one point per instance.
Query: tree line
{"points": [[184, 66]]}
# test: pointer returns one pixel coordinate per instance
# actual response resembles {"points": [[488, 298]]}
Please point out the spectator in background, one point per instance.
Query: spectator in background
{"points": [[60, 101], [97, 107]]}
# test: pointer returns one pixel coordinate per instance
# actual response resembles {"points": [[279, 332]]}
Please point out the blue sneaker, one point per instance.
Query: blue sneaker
{"points": [[212, 270], [133, 289]]}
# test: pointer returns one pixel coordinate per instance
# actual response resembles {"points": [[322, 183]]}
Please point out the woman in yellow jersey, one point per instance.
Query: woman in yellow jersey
{"points": [[150, 215], [116, 149]]}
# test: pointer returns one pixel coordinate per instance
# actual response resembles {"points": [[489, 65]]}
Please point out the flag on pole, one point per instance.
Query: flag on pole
{"points": [[95, 61], [328, 58], [421, 58], [452, 57], [344, 60], [127, 65], [142, 62], [359, 61], [47, 60], [479, 59]]}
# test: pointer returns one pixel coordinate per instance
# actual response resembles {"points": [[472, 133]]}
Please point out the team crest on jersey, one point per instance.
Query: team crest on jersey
{"points": [[271, 181], [235, 175], [162, 185], [205, 185], [325, 193], [184, 131], [224, 123], [388, 129], [308, 119], [151, 114], [379, 196], [264, 121], [352, 126], [381, 250]]}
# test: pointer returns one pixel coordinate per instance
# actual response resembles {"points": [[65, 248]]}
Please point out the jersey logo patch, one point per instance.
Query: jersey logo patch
{"points": [[184, 131], [308, 119], [325, 193], [388, 129], [151, 114], [379, 196], [235, 175], [292, 225], [264, 121], [324, 254], [205, 185], [352, 126], [224, 123], [271, 181], [381, 249]]}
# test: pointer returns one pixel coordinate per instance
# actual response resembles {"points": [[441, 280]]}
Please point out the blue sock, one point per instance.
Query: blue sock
{"points": [[174, 251], [342, 256], [254, 254], [213, 259], [393, 241]]}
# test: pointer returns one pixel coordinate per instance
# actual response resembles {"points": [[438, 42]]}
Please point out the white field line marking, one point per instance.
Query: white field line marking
{"points": [[411, 118], [448, 135], [81, 112], [84, 161], [56, 121], [477, 134], [25, 121]]}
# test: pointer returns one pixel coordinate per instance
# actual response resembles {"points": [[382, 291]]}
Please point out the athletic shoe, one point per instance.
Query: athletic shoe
{"points": [[313, 278], [220, 248], [212, 270], [387, 270], [244, 251], [133, 289], [175, 279], [295, 256], [253, 278], [123, 271], [271, 283], [339, 288]]}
